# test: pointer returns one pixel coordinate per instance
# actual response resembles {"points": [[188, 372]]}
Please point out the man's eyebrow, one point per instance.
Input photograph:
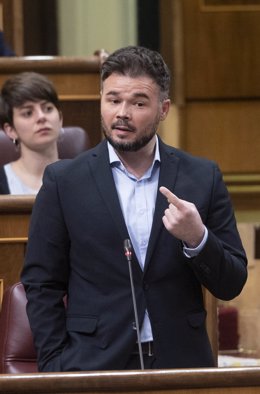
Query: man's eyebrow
{"points": [[112, 93], [141, 95], [135, 95]]}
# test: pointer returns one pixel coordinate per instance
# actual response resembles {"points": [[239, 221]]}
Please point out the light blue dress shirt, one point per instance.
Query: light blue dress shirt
{"points": [[137, 199]]}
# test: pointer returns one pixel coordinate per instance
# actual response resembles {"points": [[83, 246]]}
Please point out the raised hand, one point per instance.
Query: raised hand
{"points": [[182, 219]]}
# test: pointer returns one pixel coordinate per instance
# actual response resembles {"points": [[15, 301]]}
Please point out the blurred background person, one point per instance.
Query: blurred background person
{"points": [[5, 49], [31, 117]]}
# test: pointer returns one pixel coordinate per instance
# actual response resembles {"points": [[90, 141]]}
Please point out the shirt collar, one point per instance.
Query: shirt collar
{"points": [[114, 159]]}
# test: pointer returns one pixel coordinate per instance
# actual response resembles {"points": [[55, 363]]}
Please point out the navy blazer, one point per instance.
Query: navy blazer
{"points": [[75, 248]]}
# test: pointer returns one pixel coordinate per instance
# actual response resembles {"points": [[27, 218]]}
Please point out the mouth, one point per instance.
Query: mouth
{"points": [[43, 130], [123, 127]]}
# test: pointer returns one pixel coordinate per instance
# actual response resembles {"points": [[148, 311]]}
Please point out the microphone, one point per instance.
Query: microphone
{"points": [[128, 254], [128, 249]]}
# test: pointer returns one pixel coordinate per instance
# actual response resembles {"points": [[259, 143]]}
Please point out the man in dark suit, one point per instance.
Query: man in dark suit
{"points": [[173, 207]]}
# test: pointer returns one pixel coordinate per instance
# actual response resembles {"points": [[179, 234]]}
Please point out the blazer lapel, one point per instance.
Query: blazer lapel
{"points": [[99, 163], [168, 172]]}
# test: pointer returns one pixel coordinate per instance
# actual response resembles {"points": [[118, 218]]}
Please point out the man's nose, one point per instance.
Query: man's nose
{"points": [[123, 111]]}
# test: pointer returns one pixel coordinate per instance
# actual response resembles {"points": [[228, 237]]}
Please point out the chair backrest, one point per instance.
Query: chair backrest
{"points": [[72, 141], [17, 352], [8, 151]]}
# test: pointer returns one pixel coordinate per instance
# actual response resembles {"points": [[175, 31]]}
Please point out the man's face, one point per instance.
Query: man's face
{"points": [[131, 110]]}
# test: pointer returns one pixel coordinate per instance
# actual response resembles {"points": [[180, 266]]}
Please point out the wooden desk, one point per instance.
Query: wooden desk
{"points": [[15, 214], [186, 381]]}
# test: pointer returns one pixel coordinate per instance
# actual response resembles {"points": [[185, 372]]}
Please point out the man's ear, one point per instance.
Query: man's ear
{"points": [[165, 109]]}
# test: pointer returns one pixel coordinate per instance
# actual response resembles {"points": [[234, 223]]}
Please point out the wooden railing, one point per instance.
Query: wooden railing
{"points": [[186, 381]]}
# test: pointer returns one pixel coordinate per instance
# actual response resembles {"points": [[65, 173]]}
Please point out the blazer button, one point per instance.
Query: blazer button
{"points": [[145, 286]]}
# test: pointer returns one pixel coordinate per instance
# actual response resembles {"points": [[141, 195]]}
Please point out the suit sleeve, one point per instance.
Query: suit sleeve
{"points": [[45, 272], [222, 264]]}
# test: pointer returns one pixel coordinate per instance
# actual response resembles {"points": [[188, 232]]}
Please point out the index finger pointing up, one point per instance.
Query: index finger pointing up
{"points": [[172, 198]]}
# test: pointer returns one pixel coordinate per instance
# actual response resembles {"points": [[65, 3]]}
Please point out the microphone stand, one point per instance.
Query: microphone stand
{"points": [[128, 254]]}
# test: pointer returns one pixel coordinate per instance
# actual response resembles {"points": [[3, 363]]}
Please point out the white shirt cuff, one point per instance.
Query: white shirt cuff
{"points": [[192, 252]]}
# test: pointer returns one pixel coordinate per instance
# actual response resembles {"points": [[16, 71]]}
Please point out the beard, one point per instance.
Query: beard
{"points": [[133, 146]]}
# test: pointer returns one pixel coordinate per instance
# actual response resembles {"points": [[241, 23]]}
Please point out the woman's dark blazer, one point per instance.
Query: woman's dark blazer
{"points": [[76, 249]]}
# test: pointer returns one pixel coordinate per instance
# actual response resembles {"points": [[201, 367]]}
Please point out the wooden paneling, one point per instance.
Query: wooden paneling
{"points": [[221, 50], [213, 50], [15, 214], [30, 26], [13, 24], [12, 256], [227, 132], [40, 27]]}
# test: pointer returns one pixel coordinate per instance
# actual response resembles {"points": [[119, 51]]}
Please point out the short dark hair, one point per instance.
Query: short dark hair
{"points": [[22, 87], [136, 61]]}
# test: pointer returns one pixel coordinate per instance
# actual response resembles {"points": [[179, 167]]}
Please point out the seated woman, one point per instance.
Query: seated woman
{"points": [[31, 117]]}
